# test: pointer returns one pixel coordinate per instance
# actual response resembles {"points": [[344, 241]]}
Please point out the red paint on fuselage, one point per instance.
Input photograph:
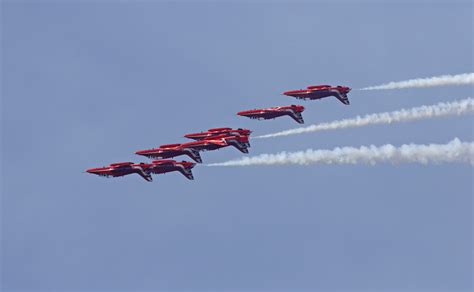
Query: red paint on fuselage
{"points": [[218, 131], [122, 169], [294, 111], [321, 91], [144, 169]]}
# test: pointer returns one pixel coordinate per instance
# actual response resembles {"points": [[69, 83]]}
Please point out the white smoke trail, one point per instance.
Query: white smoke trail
{"points": [[454, 151], [461, 107], [460, 79]]}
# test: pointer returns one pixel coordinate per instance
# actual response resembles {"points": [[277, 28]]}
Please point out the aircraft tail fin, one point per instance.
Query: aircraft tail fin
{"points": [[241, 146], [298, 117], [188, 174], [343, 98], [194, 155], [146, 176]]}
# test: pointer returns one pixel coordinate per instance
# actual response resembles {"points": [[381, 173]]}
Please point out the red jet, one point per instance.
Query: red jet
{"points": [[217, 132], [293, 111], [192, 148], [121, 169], [321, 91], [164, 166]]}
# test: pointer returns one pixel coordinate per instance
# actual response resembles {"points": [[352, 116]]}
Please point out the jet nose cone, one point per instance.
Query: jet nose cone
{"points": [[91, 170], [290, 92], [140, 152]]}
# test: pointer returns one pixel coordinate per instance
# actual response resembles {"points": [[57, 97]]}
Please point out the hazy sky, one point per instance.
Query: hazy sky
{"points": [[87, 83]]}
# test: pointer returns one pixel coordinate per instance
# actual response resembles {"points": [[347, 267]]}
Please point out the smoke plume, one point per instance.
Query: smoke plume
{"points": [[461, 107], [454, 151], [444, 80]]}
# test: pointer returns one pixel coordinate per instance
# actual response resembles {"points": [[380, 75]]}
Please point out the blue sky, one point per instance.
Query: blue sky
{"points": [[87, 83]]}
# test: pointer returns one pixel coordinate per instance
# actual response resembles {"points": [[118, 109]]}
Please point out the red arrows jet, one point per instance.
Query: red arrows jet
{"points": [[121, 169], [169, 151], [164, 166], [321, 91], [217, 132], [192, 148], [293, 111]]}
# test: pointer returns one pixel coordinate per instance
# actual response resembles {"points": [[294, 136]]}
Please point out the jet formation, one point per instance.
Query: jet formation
{"points": [[216, 138], [192, 149]]}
